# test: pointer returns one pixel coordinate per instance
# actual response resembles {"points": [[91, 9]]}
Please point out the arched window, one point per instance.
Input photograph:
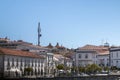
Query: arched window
{"points": [[8, 63], [29, 63], [39, 63], [12, 62], [25, 63], [17, 63], [35, 63], [21, 63], [32, 63]]}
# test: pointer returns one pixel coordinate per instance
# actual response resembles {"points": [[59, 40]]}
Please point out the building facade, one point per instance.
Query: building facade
{"points": [[103, 60], [115, 57], [49, 63], [84, 58], [91, 54], [16, 63]]}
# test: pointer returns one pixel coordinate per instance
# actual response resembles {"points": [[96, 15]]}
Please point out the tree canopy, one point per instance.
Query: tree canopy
{"points": [[60, 66]]}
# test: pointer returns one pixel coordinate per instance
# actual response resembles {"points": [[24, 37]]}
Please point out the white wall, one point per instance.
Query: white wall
{"points": [[115, 58], [83, 61], [103, 60], [24, 62]]}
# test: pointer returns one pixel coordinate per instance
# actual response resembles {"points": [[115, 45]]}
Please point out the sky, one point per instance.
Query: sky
{"points": [[71, 23]]}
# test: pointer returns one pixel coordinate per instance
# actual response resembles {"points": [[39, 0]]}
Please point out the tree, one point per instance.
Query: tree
{"points": [[74, 68], [28, 70], [82, 69], [93, 68], [60, 66], [106, 68]]}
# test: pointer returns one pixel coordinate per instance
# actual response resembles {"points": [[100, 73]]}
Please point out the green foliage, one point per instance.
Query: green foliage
{"points": [[74, 69], [82, 69], [106, 69], [60, 66], [28, 69], [67, 68], [93, 68]]}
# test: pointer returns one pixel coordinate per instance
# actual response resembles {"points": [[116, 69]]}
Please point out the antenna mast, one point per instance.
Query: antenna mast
{"points": [[39, 33]]}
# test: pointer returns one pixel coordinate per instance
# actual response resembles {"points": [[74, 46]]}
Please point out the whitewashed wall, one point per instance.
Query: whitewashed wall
{"points": [[23, 62], [83, 61], [115, 58]]}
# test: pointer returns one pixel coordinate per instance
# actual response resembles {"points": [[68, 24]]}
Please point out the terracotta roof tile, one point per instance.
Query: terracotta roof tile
{"points": [[93, 47], [18, 53], [98, 49]]}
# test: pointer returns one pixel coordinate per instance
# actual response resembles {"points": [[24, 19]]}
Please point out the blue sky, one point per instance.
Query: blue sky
{"points": [[72, 23]]}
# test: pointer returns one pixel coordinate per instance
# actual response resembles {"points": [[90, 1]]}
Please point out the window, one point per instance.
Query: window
{"points": [[79, 55], [8, 64], [21, 63], [116, 62], [112, 61], [86, 56], [32, 63], [29, 63], [17, 62], [35, 63], [42, 65], [12, 62], [116, 54], [39, 64], [25, 63]]}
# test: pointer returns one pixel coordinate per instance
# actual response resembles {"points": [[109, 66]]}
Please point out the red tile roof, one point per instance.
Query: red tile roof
{"points": [[99, 49], [18, 53], [93, 47]]}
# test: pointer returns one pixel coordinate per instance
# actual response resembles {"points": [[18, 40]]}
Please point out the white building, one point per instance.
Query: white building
{"points": [[49, 63], [115, 56], [68, 63], [14, 63], [103, 60], [91, 54], [83, 58], [60, 59]]}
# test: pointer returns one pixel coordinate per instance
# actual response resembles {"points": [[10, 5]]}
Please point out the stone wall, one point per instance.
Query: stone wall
{"points": [[73, 78]]}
